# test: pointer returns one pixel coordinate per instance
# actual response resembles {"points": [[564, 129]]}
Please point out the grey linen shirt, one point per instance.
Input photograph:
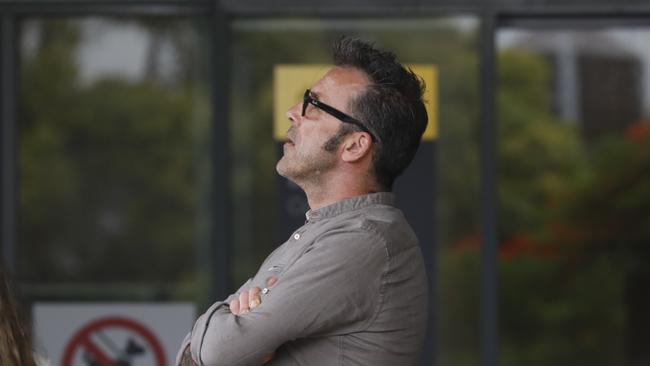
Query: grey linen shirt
{"points": [[351, 290]]}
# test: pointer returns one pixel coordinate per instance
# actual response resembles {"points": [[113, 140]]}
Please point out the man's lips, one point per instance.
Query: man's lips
{"points": [[289, 136], [288, 142]]}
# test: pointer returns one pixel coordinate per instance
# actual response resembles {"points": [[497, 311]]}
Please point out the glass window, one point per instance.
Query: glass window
{"points": [[574, 213], [113, 157], [447, 43]]}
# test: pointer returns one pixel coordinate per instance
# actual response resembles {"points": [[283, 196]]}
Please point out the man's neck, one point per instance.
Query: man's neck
{"points": [[335, 189], [326, 200]]}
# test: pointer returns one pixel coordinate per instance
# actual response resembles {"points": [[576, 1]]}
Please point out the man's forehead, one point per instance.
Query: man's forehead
{"points": [[341, 78]]}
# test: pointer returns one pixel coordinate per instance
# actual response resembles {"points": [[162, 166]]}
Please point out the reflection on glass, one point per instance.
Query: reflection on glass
{"points": [[113, 156], [574, 215], [449, 43]]}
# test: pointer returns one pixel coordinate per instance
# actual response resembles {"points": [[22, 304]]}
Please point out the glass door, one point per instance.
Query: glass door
{"points": [[574, 198], [113, 146], [438, 193]]}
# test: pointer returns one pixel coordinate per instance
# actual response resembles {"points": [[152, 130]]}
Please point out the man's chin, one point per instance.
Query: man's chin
{"points": [[281, 169], [286, 172]]}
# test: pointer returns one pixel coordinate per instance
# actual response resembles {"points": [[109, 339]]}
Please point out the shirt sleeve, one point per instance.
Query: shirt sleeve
{"points": [[184, 344], [200, 322], [333, 288]]}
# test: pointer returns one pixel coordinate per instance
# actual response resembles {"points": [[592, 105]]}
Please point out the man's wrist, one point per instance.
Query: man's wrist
{"points": [[186, 358]]}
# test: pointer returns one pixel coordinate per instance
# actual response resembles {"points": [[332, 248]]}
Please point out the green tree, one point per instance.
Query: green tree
{"points": [[573, 221], [108, 173]]}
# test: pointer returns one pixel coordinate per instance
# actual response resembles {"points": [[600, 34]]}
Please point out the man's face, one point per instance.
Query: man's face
{"points": [[304, 156]]}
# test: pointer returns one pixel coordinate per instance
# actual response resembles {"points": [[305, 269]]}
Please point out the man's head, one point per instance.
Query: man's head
{"points": [[367, 110], [391, 106]]}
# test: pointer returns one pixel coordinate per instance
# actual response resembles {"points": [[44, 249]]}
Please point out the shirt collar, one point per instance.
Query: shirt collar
{"points": [[351, 204]]}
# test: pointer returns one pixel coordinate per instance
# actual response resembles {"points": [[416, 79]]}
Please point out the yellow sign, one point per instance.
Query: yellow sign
{"points": [[290, 82]]}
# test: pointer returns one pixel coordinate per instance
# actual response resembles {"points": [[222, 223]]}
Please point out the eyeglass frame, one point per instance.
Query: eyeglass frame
{"points": [[307, 99]]}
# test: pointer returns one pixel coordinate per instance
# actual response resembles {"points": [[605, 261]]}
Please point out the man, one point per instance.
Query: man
{"points": [[348, 287]]}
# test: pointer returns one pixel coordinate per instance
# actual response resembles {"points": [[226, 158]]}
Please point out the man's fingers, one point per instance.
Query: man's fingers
{"points": [[271, 281], [234, 306], [243, 303], [254, 297], [249, 300]]}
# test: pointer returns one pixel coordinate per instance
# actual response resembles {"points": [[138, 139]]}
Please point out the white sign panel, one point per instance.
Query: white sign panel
{"points": [[111, 334]]}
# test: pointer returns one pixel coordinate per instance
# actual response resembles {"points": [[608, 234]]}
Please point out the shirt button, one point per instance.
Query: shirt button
{"points": [[265, 291], [296, 236]]}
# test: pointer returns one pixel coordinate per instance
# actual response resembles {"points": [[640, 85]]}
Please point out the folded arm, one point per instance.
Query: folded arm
{"points": [[332, 288]]}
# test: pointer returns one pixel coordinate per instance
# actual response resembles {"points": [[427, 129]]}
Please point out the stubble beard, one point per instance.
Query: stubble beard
{"points": [[306, 169]]}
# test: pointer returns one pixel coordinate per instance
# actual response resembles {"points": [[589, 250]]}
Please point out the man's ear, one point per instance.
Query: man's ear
{"points": [[356, 146]]}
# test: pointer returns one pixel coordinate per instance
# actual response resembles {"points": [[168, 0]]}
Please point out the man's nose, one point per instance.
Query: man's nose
{"points": [[294, 114]]}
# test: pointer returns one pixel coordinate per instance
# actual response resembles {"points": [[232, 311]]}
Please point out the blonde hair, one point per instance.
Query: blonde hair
{"points": [[15, 347]]}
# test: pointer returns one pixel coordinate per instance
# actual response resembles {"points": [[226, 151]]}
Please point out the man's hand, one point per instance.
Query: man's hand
{"points": [[186, 359], [249, 300]]}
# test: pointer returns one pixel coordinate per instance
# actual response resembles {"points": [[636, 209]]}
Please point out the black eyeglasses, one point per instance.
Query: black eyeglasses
{"points": [[307, 99]]}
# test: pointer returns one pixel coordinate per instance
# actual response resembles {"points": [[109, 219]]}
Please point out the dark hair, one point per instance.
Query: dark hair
{"points": [[391, 107], [15, 347]]}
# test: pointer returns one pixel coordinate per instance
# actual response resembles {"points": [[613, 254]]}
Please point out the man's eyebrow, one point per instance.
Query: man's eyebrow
{"points": [[313, 95]]}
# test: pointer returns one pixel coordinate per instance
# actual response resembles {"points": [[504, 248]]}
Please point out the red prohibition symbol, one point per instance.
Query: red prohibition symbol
{"points": [[82, 341]]}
